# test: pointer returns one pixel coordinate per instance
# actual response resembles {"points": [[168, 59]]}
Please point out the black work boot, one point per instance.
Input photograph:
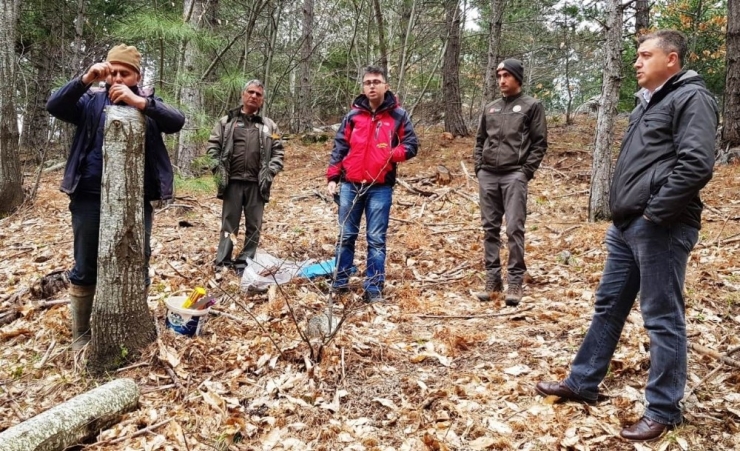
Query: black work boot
{"points": [[494, 286], [81, 300]]}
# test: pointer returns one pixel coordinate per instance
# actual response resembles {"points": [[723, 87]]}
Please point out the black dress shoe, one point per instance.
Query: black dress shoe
{"points": [[645, 430], [560, 390]]}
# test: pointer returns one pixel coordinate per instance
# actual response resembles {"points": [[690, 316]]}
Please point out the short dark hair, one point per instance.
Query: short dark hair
{"points": [[669, 41], [375, 70]]}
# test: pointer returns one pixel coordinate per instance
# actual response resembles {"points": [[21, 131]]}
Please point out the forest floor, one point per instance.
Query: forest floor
{"points": [[431, 368]]}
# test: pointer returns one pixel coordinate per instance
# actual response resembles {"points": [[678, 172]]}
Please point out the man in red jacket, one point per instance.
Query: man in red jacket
{"points": [[372, 139]]}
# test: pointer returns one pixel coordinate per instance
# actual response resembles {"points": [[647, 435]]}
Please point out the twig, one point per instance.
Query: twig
{"points": [[135, 434], [575, 193], [490, 315], [43, 360], [714, 354], [178, 272], [701, 382], [44, 304], [136, 365], [467, 175], [413, 190], [456, 230], [466, 196]]}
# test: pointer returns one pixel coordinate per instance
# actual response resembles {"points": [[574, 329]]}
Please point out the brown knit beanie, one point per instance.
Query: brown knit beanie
{"points": [[512, 66], [126, 54]]}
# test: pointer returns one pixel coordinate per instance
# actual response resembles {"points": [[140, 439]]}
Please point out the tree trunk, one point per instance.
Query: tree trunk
{"points": [[408, 18], [381, 36], [494, 41], [642, 17], [36, 119], [74, 421], [121, 322], [454, 122], [191, 100], [731, 114], [601, 169], [304, 121], [11, 180]]}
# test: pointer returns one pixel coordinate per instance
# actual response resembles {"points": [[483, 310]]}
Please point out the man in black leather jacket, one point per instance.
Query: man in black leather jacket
{"points": [[666, 158]]}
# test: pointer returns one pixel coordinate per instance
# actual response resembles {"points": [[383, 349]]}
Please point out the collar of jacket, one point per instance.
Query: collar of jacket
{"points": [[238, 110], [363, 103], [512, 98], [680, 79]]}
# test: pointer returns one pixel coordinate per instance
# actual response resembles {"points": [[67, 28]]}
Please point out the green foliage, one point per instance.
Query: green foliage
{"points": [[195, 185], [704, 23]]}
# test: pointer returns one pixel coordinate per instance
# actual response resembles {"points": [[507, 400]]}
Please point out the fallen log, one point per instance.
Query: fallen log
{"points": [[74, 421]]}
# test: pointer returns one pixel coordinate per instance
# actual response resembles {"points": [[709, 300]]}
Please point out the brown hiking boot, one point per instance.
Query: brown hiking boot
{"points": [[514, 294], [494, 286]]}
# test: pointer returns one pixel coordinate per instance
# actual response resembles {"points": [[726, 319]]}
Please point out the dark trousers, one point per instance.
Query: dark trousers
{"points": [[240, 198], [503, 194], [85, 209], [650, 260]]}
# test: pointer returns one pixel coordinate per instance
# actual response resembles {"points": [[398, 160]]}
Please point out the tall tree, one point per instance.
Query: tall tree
{"points": [[191, 100], [642, 17], [454, 121], [381, 36], [11, 181], [304, 121], [494, 43], [731, 114], [601, 169]]}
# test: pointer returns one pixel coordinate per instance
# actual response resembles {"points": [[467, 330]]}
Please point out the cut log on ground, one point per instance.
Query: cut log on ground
{"points": [[74, 421]]}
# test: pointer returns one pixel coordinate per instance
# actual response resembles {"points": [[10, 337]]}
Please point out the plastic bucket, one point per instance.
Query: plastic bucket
{"points": [[184, 321]]}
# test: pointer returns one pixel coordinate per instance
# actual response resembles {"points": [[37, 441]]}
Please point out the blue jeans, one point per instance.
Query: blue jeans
{"points": [[651, 260], [375, 201], [85, 209]]}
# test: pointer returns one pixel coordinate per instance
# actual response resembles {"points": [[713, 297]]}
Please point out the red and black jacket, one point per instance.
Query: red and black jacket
{"points": [[368, 145]]}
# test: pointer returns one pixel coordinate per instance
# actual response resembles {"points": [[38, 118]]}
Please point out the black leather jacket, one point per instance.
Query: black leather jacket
{"points": [[667, 155]]}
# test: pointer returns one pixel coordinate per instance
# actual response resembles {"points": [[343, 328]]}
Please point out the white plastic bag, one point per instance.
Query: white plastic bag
{"points": [[266, 270]]}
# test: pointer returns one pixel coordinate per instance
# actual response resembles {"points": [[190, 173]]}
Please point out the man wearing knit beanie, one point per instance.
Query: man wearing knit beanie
{"points": [[76, 103], [509, 147]]}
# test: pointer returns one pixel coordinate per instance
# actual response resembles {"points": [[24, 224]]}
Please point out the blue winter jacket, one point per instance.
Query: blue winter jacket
{"points": [[83, 107]]}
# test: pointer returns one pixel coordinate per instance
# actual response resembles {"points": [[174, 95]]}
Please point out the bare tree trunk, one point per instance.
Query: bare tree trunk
{"points": [[304, 120], [731, 114], [405, 48], [381, 37], [71, 423], [191, 100], [642, 17], [454, 122], [601, 169], [121, 322], [494, 40], [11, 180], [79, 32]]}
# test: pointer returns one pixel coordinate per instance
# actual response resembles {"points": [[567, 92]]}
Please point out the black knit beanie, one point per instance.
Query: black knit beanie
{"points": [[512, 66]]}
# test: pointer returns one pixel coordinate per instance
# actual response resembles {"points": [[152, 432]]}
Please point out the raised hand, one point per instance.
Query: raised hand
{"points": [[96, 72]]}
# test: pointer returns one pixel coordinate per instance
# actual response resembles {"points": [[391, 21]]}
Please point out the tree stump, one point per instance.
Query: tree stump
{"points": [[121, 324], [74, 421], [443, 175]]}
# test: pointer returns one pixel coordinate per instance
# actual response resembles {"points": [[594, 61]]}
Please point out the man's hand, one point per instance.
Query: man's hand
{"points": [[331, 188], [122, 93], [97, 72]]}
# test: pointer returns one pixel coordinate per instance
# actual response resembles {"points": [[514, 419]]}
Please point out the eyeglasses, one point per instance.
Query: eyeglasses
{"points": [[373, 82]]}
